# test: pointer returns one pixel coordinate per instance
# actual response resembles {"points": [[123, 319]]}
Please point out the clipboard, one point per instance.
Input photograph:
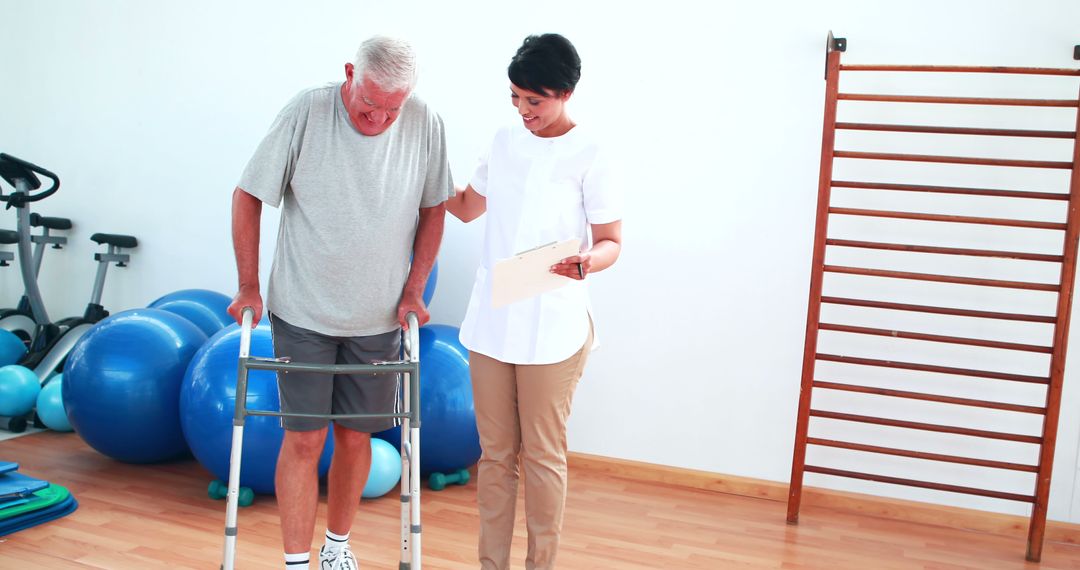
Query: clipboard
{"points": [[528, 273]]}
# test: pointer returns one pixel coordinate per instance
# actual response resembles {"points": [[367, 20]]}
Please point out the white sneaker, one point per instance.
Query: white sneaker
{"points": [[343, 561]]}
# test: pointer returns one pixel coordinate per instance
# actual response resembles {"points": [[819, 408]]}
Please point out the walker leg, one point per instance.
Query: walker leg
{"points": [[406, 455], [232, 498], [406, 498], [414, 484]]}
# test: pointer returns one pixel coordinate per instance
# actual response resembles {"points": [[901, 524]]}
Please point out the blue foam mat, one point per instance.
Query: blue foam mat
{"points": [[9, 502], [15, 524], [14, 484]]}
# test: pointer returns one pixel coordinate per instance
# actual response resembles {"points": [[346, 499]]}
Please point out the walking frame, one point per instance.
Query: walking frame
{"points": [[409, 368], [1054, 350]]}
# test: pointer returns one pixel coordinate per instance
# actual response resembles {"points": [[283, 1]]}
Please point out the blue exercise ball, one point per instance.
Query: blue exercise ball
{"points": [[19, 388], [429, 287], [433, 279], [50, 405], [207, 309], [12, 348], [122, 384], [448, 436], [385, 472], [208, 403]]}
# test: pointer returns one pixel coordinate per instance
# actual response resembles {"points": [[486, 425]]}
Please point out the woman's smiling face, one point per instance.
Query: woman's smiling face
{"points": [[543, 114]]}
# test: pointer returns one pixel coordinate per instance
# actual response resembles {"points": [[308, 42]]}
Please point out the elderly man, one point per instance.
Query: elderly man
{"points": [[360, 171]]}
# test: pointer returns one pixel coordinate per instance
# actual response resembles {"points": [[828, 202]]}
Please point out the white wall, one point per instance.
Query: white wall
{"points": [[149, 111]]}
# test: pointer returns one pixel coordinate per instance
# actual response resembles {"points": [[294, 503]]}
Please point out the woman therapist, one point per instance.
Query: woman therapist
{"points": [[544, 179]]}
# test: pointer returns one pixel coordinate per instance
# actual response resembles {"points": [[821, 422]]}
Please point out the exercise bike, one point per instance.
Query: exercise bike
{"points": [[52, 342], [20, 320], [7, 237]]}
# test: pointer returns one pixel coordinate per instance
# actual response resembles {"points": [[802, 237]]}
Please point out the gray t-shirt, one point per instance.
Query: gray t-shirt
{"points": [[349, 209]]}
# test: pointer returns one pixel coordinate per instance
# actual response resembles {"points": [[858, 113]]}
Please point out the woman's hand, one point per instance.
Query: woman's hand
{"points": [[606, 246], [575, 266]]}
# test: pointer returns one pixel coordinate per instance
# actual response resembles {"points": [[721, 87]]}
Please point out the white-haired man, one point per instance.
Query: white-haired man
{"points": [[360, 171]]}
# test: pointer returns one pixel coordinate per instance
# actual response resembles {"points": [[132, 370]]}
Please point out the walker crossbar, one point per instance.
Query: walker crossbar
{"points": [[410, 431]]}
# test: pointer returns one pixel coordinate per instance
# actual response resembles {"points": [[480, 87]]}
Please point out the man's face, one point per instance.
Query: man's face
{"points": [[371, 109]]}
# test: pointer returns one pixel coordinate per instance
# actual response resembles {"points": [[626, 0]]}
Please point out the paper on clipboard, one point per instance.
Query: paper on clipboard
{"points": [[528, 273]]}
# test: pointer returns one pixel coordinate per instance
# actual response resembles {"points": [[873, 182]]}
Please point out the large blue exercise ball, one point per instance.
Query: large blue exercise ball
{"points": [[433, 279], [429, 287], [12, 348], [448, 436], [207, 309], [208, 403], [19, 388], [385, 472], [50, 405], [122, 382]]}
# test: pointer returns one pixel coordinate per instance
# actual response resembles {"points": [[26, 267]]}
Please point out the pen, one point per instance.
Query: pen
{"points": [[580, 271]]}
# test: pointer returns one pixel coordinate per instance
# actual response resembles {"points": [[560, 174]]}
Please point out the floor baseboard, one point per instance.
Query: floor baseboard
{"points": [[895, 509]]}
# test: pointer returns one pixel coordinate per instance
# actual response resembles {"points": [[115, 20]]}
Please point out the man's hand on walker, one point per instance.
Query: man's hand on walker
{"points": [[415, 304], [246, 298]]}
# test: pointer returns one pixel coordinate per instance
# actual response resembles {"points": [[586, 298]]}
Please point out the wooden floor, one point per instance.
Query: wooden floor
{"points": [[151, 517]]}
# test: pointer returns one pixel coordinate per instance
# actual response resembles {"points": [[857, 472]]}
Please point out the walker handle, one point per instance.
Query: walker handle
{"points": [[247, 315], [412, 338]]}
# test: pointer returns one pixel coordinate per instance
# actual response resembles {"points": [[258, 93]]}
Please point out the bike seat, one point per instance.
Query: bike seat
{"points": [[9, 236], [38, 221], [115, 239]]}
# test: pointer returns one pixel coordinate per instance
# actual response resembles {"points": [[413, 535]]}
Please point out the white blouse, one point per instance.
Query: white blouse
{"points": [[539, 190]]}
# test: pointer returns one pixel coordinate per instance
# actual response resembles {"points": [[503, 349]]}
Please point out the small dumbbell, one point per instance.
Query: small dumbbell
{"points": [[219, 490], [439, 481], [15, 424]]}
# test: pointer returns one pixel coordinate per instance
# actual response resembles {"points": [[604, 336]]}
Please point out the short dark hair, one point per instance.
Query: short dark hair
{"points": [[546, 63]]}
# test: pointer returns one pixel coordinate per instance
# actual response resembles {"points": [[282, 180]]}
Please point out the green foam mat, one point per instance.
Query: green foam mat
{"points": [[42, 499]]}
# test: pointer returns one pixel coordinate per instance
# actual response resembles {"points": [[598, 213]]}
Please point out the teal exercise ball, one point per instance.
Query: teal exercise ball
{"points": [[19, 388], [385, 472], [50, 405], [12, 348]]}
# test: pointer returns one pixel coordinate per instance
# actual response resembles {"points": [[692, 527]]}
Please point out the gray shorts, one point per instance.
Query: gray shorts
{"points": [[315, 393]]}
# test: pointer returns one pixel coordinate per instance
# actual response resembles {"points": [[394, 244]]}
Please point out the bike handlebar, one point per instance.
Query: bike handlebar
{"points": [[12, 169]]}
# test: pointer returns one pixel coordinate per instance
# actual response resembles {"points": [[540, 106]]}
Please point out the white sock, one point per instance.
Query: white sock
{"points": [[297, 561], [334, 542]]}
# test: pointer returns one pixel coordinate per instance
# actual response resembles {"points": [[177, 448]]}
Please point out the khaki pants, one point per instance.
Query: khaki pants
{"points": [[521, 410]]}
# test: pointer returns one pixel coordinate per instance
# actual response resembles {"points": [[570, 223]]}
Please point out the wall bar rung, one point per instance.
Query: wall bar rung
{"points": [[929, 397], [937, 159], [883, 127], [977, 281], [945, 250], [951, 190], [958, 100], [933, 368], [871, 304], [921, 484], [926, 427], [1033, 224], [935, 338], [963, 69], [923, 455]]}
